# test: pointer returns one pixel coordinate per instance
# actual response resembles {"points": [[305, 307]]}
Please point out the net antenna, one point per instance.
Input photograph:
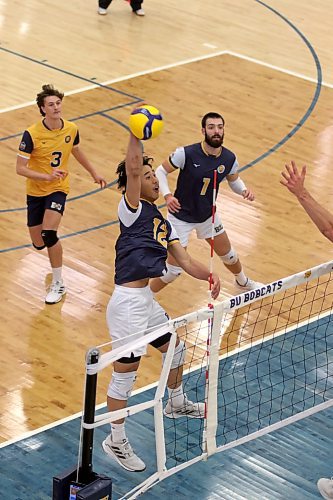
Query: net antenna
{"points": [[212, 237], [210, 320]]}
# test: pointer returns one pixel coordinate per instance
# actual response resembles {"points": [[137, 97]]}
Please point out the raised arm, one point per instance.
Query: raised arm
{"points": [[133, 164], [293, 180]]}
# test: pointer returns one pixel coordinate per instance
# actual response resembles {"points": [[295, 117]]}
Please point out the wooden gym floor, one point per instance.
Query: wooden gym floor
{"points": [[267, 67]]}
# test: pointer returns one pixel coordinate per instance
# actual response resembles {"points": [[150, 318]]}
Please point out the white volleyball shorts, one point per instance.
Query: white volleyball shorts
{"points": [[130, 311], [203, 229]]}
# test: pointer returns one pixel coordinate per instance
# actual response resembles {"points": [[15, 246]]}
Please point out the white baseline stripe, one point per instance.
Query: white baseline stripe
{"points": [[174, 65], [277, 68], [123, 78]]}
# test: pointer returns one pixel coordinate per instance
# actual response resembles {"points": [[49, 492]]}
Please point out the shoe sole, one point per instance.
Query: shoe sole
{"points": [[110, 454], [175, 415], [57, 301]]}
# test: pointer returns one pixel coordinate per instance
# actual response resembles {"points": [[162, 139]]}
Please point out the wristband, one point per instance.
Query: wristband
{"points": [[161, 174], [238, 186]]}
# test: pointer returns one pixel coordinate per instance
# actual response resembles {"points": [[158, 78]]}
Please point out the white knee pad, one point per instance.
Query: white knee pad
{"points": [[178, 356], [121, 385], [230, 258], [172, 273]]}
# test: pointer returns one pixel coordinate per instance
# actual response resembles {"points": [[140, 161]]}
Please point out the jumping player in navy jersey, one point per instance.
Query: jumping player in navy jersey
{"points": [[141, 253], [191, 206]]}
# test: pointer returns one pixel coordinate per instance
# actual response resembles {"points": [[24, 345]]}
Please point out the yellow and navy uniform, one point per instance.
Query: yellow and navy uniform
{"points": [[141, 249], [47, 149]]}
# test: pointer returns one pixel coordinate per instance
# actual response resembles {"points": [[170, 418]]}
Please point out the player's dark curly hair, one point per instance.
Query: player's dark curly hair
{"points": [[211, 114], [121, 172], [47, 90]]}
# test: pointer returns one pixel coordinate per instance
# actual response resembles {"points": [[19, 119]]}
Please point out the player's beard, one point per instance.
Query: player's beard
{"points": [[214, 142]]}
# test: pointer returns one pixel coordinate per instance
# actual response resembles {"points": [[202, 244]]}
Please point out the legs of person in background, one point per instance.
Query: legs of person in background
{"points": [[51, 223], [136, 6], [230, 259], [228, 256], [49, 229], [103, 6]]}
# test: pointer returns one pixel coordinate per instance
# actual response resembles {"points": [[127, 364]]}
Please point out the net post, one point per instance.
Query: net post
{"points": [[89, 417], [212, 380]]}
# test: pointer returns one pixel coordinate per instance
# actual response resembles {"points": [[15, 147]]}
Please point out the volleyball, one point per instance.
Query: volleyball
{"points": [[146, 122]]}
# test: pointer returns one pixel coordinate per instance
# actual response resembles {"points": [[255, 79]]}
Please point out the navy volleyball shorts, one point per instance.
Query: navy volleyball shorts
{"points": [[38, 204]]}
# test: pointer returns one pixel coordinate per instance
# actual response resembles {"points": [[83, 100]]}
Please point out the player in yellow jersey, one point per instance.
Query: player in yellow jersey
{"points": [[43, 159]]}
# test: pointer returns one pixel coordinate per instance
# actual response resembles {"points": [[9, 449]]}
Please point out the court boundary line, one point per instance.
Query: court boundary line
{"points": [[190, 61], [130, 76], [274, 148], [279, 69], [105, 84], [148, 387]]}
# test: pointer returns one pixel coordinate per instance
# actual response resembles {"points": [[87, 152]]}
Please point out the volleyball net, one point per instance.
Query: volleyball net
{"points": [[260, 360]]}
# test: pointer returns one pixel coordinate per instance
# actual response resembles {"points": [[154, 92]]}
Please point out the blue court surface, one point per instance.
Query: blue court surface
{"points": [[278, 378]]}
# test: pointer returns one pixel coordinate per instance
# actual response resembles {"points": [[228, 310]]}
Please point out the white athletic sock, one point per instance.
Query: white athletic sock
{"points": [[56, 274], [176, 396], [241, 278], [118, 432]]}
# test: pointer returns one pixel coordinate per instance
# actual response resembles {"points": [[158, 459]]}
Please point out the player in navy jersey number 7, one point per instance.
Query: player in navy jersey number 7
{"points": [[141, 253], [191, 205]]}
